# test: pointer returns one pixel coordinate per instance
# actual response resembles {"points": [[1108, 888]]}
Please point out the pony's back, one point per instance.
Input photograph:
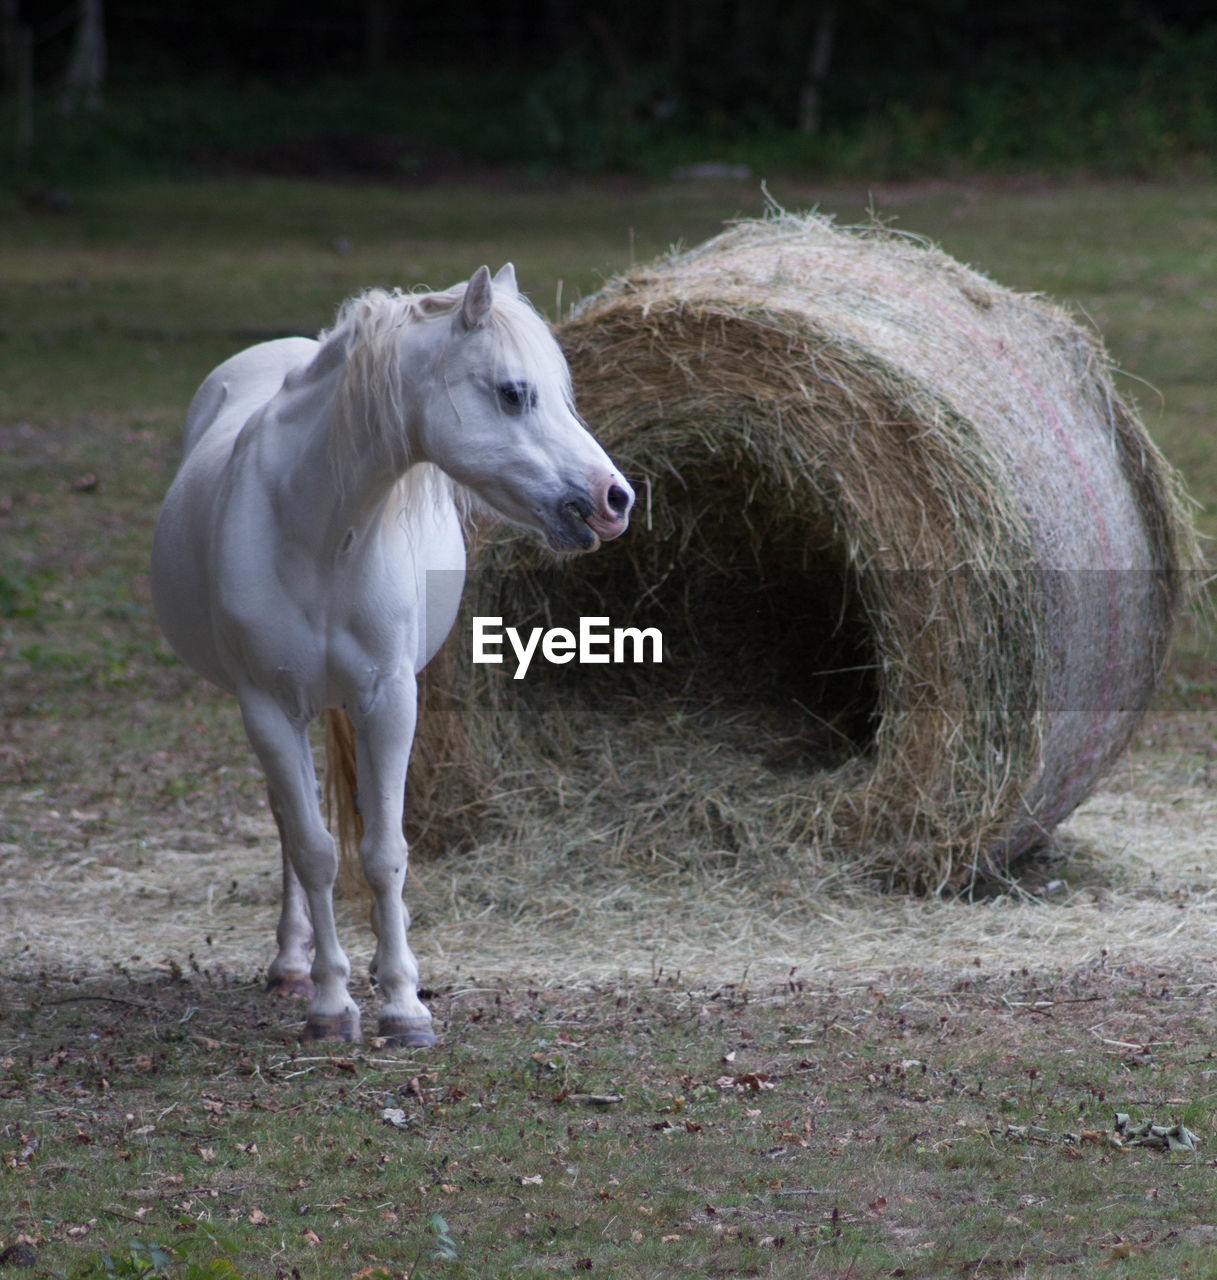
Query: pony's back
{"points": [[237, 387]]}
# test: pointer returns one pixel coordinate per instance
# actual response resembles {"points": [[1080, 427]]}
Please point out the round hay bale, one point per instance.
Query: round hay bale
{"points": [[914, 560]]}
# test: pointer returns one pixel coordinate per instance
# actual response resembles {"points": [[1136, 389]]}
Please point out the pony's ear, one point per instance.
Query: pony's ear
{"points": [[506, 278], [478, 297]]}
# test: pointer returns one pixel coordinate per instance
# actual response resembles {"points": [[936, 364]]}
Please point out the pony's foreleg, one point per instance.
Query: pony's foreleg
{"points": [[288, 971], [384, 736], [283, 749]]}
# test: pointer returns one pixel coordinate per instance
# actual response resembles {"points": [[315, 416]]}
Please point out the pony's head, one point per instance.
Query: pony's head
{"points": [[498, 416]]}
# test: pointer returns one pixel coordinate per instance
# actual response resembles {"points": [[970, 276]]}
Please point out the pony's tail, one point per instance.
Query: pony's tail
{"points": [[342, 807]]}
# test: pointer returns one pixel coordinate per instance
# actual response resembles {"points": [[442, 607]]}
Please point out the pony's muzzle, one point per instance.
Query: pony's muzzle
{"points": [[610, 514], [572, 530], [597, 514]]}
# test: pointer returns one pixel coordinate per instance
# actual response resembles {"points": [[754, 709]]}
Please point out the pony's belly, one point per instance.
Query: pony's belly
{"points": [[181, 598], [433, 545], [441, 604]]}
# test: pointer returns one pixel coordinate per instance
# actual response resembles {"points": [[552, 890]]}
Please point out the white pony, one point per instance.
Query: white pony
{"points": [[318, 488]]}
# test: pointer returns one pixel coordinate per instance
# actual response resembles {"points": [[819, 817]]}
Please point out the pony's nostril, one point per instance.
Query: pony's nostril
{"points": [[618, 500]]}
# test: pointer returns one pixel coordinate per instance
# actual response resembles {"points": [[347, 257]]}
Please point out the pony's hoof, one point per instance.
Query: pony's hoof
{"points": [[407, 1033], [293, 983], [338, 1026]]}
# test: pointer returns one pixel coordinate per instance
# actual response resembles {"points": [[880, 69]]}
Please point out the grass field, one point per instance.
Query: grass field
{"points": [[831, 1083]]}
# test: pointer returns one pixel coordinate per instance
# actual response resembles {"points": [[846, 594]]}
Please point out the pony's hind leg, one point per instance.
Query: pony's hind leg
{"points": [[384, 737], [283, 749], [288, 972]]}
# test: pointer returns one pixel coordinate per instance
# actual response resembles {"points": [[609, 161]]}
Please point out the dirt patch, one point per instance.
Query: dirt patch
{"points": [[1126, 1007]]}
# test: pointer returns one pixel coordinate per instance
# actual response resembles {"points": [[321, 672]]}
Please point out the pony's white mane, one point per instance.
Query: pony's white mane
{"points": [[371, 404], [371, 394]]}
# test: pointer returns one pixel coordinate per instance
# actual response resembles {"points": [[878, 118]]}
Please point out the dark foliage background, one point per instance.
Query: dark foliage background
{"points": [[870, 85]]}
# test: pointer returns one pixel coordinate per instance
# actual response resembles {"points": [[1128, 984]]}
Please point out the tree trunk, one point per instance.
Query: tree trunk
{"points": [[87, 68], [10, 27], [811, 95]]}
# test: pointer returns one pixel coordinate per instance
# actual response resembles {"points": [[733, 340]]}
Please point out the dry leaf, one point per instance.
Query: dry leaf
{"points": [[755, 1081]]}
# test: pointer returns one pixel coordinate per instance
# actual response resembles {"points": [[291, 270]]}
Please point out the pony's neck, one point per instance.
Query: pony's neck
{"points": [[344, 463]]}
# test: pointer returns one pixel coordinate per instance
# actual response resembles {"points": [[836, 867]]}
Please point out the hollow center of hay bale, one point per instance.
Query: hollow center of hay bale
{"points": [[766, 647]]}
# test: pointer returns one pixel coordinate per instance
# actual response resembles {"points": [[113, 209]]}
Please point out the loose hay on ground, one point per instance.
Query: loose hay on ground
{"points": [[1135, 885], [916, 564]]}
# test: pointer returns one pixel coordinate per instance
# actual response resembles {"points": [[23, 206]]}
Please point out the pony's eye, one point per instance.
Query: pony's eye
{"points": [[515, 397]]}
